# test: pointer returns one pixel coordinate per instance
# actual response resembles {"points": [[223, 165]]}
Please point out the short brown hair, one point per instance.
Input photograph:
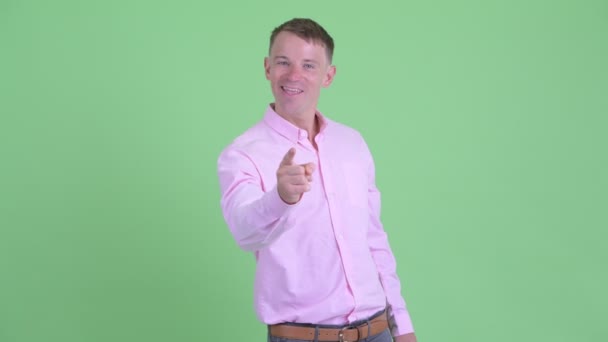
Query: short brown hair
{"points": [[308, 30]]}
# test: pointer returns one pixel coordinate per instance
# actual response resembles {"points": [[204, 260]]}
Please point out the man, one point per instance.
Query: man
{"points": [[298, 190]]}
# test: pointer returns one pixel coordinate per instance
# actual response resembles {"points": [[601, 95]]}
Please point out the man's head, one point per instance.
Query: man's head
{"points": [[308, 30], [298, 66]]}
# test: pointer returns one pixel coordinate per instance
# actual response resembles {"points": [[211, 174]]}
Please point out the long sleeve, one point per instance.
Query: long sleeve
{"points": [[255, 215], [385, 260]]}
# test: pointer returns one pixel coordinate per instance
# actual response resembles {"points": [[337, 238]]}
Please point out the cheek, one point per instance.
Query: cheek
{"points": [[318, 82], [273, 78], [276, 76]]}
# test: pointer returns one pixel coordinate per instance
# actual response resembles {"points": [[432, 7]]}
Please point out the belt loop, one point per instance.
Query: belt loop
{"points": [[316, 339], [369, 328]]}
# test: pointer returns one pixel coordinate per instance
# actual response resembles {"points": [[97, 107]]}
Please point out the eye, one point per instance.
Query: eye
{"points": [[282, 63], [309, 66]]}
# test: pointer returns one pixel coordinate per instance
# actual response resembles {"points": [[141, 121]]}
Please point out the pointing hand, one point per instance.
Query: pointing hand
{"points": [[293, 180]]}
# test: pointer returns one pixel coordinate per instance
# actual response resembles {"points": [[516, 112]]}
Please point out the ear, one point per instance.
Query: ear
{"points": [[329, 76], [267, 67]]}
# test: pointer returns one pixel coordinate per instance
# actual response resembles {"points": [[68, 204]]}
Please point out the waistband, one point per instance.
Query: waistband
{"points": [[343, 333]]}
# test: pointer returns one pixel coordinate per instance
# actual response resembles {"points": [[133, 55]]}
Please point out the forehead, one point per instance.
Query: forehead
{"points": [[291, 46]]}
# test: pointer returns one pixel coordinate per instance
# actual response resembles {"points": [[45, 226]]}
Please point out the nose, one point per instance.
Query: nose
{"points": [[294, 73]]}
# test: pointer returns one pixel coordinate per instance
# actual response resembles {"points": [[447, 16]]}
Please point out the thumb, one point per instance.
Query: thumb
{"points": [[309, 168]]}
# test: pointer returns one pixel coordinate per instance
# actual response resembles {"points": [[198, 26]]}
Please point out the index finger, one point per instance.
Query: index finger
{"points": [[288, 158]]}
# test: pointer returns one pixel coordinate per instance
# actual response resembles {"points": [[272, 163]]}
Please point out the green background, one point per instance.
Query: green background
{"points": [[487, 120]]}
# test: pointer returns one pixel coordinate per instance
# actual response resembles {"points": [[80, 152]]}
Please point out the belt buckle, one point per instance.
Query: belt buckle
{"points": [[341, 334]]}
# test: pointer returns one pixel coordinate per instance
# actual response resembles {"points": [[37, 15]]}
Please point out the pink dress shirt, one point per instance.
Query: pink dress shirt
{"points": [[325, 259]]}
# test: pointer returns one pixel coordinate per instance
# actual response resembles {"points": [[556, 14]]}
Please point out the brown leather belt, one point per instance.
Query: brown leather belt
{"points": [[346, 334]]}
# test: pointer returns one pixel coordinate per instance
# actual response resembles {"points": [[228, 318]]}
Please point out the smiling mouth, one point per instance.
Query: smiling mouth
{"points": [[291, 91]]}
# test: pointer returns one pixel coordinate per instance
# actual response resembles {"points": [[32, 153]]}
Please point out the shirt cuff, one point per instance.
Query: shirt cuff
{"points": [[402, 323]]}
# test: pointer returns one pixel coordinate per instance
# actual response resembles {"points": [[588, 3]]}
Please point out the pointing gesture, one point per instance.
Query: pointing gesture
{"points": [[293, 180]]}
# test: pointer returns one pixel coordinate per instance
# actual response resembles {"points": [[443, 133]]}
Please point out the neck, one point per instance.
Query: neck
{"points": [[307, 121]]}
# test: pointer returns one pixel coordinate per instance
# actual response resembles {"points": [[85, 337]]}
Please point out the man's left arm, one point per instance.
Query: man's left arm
{"points": [[384, 259]]}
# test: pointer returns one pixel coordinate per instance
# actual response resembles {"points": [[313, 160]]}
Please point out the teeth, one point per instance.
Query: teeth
{"points": [[292, 90]]}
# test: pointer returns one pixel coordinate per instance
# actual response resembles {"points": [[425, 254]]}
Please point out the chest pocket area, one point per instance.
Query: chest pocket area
{"points": [[355, 179]]}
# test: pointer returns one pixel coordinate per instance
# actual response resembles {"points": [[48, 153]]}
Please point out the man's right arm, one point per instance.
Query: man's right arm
{"points": [[256, 216]]}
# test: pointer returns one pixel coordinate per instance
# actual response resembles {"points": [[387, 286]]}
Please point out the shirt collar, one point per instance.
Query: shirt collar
{"points": [[287, 129]]}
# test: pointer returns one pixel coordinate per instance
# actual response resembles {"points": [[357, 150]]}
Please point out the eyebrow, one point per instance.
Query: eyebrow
{"points": [[306, 60]]}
